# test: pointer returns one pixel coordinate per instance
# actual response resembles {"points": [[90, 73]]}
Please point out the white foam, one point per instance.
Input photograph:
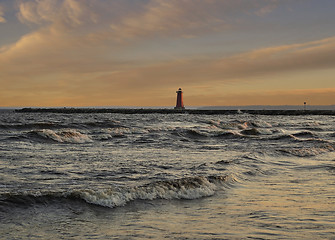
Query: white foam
{"points": [[65, 136], [192, 188]]}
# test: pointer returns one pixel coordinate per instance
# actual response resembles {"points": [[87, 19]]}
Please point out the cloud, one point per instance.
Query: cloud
{"points": [[129, 20], [186, 17], [296, 57], [309, 56], [267, 9], [85, 35], [60, 13], [167, 17], [2, 13]]}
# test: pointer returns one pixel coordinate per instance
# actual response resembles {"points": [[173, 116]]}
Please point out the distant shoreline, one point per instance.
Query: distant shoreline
{"points": [[174, 111]]}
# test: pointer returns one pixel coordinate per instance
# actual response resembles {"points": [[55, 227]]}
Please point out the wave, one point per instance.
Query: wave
{"points": [[304, 134], [284, 137], [184, 188], [110, 133], [256, 131], [258, 124], [64, 136], [224, 162], [195, 133], [300, 137], [229, 125], [203, 134], [308, 151], [328, 167], [312, 140], [245, 128], [190, 133], [240, 124], [38, 125], [229, 134], [101, 124], [61, 125]]}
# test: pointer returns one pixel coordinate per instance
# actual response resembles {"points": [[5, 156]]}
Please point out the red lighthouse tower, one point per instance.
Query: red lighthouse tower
{"points": [[180, 103]]}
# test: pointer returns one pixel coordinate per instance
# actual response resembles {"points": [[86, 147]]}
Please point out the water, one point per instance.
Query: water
{"points": [[175, 176]]}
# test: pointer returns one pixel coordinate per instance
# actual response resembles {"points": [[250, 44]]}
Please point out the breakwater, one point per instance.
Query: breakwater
{"points": [[175, 111]]}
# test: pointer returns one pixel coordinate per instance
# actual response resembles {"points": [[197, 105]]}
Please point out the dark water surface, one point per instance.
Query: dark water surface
{"points": [[166, 176]]}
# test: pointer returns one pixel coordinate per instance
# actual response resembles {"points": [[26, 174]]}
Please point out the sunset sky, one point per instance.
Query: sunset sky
{"points": [[139, 52]]}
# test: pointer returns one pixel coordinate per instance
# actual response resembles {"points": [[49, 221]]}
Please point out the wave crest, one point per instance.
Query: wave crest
{"points": [[185, 188], [309, 152], [65, 136]]}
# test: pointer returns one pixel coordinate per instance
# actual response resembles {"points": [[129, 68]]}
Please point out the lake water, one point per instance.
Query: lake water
{"points": [[166, 176]]}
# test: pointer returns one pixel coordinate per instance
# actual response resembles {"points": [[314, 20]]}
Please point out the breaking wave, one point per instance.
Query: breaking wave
{"points": [[185, 188], [64, 136]]}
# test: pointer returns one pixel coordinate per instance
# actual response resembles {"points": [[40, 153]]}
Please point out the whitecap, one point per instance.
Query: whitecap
{"points": [[64, 136], [185, 188]]}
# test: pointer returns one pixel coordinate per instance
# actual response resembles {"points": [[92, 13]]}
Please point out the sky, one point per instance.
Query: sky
{"points": [[139, 52]]}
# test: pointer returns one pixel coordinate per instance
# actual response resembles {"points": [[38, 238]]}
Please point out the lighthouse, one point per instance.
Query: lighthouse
{"points": [[180, 104]]}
